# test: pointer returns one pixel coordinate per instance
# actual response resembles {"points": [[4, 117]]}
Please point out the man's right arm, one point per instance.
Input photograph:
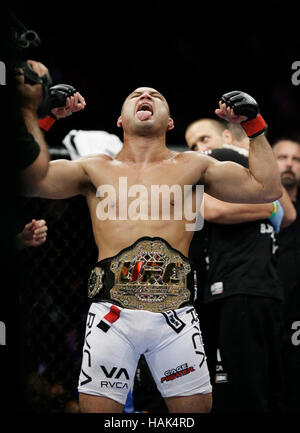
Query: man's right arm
{"points": [[64, 179]]}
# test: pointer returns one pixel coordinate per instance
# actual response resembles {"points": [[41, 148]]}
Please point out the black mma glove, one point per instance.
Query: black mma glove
{"points": [[244, 105], [58, 95]]}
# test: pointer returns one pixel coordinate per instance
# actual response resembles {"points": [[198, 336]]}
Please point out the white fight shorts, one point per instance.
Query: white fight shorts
{"points": [[170, 341]]}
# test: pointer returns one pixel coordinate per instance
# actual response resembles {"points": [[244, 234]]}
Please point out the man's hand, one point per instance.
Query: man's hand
{"points": [[239, 107], [33, 234], [227, 113], [73, 103], [31, 94]]}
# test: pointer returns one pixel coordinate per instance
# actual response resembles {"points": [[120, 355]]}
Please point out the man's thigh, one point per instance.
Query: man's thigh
{"points": [[179, 366], [108, 362]]}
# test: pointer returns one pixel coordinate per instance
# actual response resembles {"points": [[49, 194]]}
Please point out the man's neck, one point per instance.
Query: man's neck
{"points": [[144, 149]]}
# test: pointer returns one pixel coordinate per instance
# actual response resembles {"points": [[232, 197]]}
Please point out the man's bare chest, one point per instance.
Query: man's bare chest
{"points": [[143, 177], [160, 192]]}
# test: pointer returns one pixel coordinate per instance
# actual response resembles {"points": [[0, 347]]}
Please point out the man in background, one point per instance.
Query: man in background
{"points": [[287, 153], [240, 303]]}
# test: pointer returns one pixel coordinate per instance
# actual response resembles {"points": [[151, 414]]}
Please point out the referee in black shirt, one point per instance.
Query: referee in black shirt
{"points": [[241, 297]]}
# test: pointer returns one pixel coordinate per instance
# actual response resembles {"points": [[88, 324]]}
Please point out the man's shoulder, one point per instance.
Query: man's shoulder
{"points": [[190, 155], [97, 158], [229, 154]]}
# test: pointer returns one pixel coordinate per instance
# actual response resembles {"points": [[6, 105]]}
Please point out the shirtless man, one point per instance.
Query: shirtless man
{"points": [[142, 287]]}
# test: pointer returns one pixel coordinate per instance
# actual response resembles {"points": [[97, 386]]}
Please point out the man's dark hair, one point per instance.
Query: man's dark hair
{"points": [[293, 138]]}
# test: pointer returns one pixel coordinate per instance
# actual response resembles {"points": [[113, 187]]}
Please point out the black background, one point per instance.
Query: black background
{"points": [[191, 51]]}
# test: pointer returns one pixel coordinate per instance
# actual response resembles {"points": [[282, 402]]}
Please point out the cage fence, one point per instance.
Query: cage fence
{"points": [[54, 302]]}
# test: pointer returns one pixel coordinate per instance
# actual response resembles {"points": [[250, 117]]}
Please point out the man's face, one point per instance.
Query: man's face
{"points": [[203, 135], [145, 109], [287, 154]]}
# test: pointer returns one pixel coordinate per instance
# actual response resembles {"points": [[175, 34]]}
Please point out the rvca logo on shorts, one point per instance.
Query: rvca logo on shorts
{"points": [[174, 321]]}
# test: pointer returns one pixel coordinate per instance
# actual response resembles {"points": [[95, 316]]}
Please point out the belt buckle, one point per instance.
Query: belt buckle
{"points": [[150, 277]]}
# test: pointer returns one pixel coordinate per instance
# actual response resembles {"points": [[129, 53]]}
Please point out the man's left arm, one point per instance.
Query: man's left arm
{"points": [[229, 181]]}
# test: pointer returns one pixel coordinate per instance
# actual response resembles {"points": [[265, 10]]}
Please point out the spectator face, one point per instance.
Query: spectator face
{"points": [[203, 135], [287, 154]]}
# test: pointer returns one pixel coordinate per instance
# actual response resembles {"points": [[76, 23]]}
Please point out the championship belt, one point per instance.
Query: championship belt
{"points": [[95, 283], [150, 276]]}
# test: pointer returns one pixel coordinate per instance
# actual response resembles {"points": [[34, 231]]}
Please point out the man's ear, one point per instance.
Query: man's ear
{"points": [[170, 124], [119, 122], [228, 137]]}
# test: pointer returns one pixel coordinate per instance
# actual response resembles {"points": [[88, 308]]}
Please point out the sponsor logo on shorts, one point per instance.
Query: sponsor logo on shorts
{"points": [[174, 321], [194, 318], [198, 344], [114, 373], [117, 385], [175, 373], [86, 351]]}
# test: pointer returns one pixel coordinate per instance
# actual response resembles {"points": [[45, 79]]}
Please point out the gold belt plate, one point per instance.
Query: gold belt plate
{"points": [[150, 277]]}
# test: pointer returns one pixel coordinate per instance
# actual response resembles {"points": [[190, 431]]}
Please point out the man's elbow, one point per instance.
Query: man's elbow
{"points": [[213, 214], [272, 194], [32, 179]]}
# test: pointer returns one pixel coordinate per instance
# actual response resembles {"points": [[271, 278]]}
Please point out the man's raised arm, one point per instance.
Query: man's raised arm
{"points": [[64, 179], [231, 182]]}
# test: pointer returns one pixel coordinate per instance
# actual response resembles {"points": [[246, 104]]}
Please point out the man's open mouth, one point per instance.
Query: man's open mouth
{"points": [[144, 111]]}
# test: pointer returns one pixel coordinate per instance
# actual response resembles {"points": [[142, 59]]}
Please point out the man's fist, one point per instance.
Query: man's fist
{"points": [[63, 101], [241, 103], [239, 107], [58, 95], [73, 103], [227, 113], [33, 234]]}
